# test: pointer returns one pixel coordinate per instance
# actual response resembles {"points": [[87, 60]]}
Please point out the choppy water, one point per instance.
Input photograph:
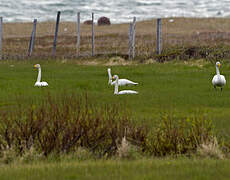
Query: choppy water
{"points": [[117, 10]]}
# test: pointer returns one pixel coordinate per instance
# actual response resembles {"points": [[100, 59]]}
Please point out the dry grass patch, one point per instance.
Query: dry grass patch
{"points": [[123, 149], [117, 61], [114, 39], [210, 148]]}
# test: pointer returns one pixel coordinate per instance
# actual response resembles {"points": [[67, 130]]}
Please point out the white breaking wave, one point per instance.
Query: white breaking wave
{"points": [[118, 11]]}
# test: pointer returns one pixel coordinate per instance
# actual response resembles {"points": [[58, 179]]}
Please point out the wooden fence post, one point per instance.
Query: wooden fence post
{"points": [[130, 39], [78, 33], [32, 38], [1, 24], [159, 36], [56, 34], [93, 34], [134, 29]]}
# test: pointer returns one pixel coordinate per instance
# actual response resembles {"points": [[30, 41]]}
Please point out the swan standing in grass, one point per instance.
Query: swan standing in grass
{"points": [[121, 82], [124, 91], [38, 82], [218, 80]]}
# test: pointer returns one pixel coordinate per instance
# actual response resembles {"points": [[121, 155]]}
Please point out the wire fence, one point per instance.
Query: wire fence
{"points": [[134, 39]]}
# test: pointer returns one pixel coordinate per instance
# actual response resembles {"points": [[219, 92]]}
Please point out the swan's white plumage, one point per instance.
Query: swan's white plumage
{"points": [[38, 82], [218, 80], [110, 76], [121, 82], [127, 92], [124, 82], [41, 84], [124, 91]]}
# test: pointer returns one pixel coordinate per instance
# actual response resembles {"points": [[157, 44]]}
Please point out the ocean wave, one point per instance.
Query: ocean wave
{"points": [[118, 11]]}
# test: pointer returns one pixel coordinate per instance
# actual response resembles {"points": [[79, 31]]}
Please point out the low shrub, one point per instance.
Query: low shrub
{"points": [[61, 125], [186, 53], [74, 126], [183, 136]]}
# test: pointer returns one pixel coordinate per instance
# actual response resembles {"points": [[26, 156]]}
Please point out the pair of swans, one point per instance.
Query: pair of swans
{"points": [[218, 80], [38, 82], [120, 82]]}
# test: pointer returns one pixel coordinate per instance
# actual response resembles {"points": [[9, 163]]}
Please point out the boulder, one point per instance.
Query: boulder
{"points": [[102, 21]]}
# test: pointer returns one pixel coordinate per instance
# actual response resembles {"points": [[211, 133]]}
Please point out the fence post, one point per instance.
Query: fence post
{"points": [[134, 29], [130, 39], [56, 34], [158, 36], [92, 34], [32, 38], [78, 33], [1, 24]]}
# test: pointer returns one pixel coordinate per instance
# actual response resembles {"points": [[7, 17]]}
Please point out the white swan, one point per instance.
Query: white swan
{"points": [[38, 82], [124, 91], [218, 80], [121, 82]]}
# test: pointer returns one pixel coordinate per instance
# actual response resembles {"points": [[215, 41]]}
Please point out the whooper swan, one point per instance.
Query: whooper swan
{"points": [[121, 82], [218, 80], [124, 91], [38, 82]]}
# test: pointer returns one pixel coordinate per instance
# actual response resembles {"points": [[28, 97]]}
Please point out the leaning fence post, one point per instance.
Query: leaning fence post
{"points": [[78, 33], [92, 34], [158, 36], [130, 39], [134, 28], [1, 24], [32, 38], [56, 34]]}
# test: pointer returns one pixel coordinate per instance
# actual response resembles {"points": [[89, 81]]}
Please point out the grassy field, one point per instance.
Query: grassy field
{"points": [[182, 89], [181, 168], [178, 88]]}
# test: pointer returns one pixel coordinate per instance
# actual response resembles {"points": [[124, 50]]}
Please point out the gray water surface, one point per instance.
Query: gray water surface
{"points": [[117, 10]]}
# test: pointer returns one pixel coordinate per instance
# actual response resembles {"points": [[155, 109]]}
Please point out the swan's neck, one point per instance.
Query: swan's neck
{"points": [[39, 75], [217, 71], [116, 87], [110, 76]]}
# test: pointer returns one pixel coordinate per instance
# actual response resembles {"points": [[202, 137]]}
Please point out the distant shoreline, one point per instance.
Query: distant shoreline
{"points": [[112, 22]]}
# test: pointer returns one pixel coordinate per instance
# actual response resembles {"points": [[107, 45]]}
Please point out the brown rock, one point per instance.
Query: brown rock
{"points": [[102, 21], [88, 22]]}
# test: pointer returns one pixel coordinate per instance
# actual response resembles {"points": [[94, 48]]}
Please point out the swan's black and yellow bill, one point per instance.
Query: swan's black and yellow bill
{"points": [[35, 66]]}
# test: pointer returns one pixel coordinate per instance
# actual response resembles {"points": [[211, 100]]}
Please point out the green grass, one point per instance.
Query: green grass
{"points": [[176, 88], [181, 168], [172, 88]]}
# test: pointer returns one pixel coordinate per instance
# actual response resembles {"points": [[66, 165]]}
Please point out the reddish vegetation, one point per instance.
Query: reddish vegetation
{"points": [[88, 22]]}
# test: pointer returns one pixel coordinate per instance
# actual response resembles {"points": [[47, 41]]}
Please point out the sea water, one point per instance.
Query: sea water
{"points": [[118, 11]]}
